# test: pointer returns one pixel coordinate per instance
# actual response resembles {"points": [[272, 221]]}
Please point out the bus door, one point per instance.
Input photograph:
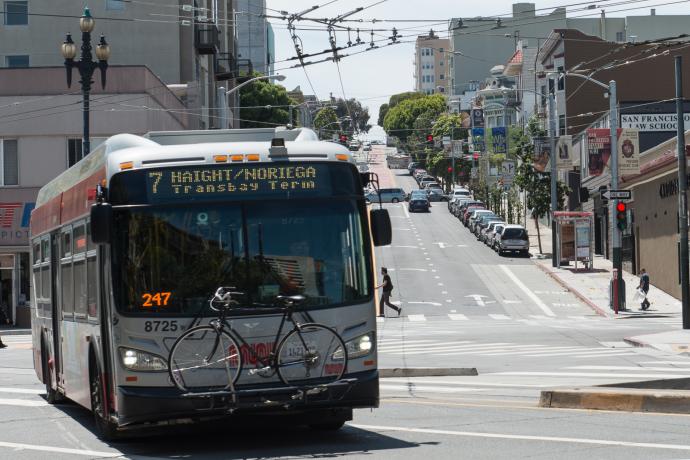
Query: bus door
{"points": [[55, 305]]}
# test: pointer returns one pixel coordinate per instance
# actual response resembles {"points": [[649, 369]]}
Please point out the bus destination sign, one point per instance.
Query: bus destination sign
{"points": [[237, 181]]}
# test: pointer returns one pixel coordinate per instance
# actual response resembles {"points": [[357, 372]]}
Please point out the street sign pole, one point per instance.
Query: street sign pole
{"points": [[682, 197], [616, 235], [554, 171]]}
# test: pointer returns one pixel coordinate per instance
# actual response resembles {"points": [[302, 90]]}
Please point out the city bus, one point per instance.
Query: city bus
{"points": [[130, 243]]}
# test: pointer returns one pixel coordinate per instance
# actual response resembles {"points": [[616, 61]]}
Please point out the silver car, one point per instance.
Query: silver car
{"points": [[513, 238], [388, 195]]}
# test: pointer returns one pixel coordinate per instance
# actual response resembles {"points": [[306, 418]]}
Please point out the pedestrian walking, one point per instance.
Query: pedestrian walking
{"points": [[644, 287], [3, 320], [387, 286]]}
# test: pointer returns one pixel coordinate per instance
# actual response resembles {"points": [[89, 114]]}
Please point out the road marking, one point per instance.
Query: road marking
{"points": [[435, 304], [409, 269], [511, 301], [449, 300], [22, 402], [401, 229], [439, 284], [441, 245], [604, 442], [21, 390], [457, 317], [60, 450], [416, 317], [410, 388], [625, 368], [616, 344], [477, 298], [462, 245], [437, 277], [433, 381], [591, 374], [679, 363], [578, 318], [540, 317], [495, 316], [402, 246], [407, 214], [431, 265], [444, 292], [526, 290]]}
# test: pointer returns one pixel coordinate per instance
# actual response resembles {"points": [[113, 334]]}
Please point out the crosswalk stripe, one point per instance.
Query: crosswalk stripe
{"points": [[626, 368], [458, 347], [428, 389], [588, 351], [423, 349], [499, 317], [457, 317], [416, 318], [588, 374]]}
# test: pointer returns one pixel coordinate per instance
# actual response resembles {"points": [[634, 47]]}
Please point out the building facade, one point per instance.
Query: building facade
{"points": [[134, 101], [254, 35], [431, 64]]}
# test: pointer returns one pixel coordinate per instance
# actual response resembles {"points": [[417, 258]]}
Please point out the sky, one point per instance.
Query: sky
{"points": [[374, 76]]}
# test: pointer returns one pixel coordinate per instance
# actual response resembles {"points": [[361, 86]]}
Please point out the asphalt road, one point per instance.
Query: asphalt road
{"points": [[463, 306]]}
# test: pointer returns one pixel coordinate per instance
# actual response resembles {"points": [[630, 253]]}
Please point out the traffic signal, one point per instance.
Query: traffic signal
{"points": [[429, 139], [621, 215], [450, 169]]}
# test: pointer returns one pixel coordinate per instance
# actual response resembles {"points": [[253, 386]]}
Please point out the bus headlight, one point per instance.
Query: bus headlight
{"points": [[137, 360], [357, 347]]}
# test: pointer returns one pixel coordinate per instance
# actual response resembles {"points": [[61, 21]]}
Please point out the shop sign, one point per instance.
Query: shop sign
{"points": [[478, 140], [499, 139], [477, 118], [670, 187], [652, 122], [14, 223]]}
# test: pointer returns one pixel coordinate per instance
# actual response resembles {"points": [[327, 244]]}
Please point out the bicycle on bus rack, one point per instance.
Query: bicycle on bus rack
{"points": [[207, 361]]}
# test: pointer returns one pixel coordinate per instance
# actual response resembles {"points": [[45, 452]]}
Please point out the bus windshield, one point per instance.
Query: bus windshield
{"points": [[171, 259]]}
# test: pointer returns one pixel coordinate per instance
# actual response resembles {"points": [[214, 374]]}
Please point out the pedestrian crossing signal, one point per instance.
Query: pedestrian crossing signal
{"points": [[621, 215]]}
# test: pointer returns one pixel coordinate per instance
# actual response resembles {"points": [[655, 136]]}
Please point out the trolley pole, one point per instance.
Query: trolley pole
{"points": [[554, 173], [616, 235], [682, 196]]}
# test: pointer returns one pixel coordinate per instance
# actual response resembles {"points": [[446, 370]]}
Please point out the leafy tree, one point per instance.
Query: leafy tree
{"points": [[355, 109], [326, 122], [262, 93], [449, 124], [536, 184], [383, 110], [400, 120], [398, 98]]}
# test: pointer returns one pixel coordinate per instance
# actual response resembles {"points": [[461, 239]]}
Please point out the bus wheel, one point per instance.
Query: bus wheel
{"points": [[52, 396], [106, 429]]}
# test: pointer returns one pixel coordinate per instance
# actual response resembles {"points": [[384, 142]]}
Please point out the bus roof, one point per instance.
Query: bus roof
{"points": [[175, 148]]}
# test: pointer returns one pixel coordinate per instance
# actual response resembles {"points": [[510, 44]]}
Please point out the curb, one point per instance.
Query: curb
{"points": [[4, 332], [574, 291], [428, 372], [618, 399]]}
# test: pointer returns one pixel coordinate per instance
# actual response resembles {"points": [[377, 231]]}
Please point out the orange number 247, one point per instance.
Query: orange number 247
{"points": [[158, 299]]}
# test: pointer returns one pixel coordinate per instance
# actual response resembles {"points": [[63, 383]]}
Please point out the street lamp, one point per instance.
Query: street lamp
{"points": [[224, 117], [86, 66]]}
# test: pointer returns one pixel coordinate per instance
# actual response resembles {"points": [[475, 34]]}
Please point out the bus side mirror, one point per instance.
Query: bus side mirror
{"points": [[381, 229], [101, 223]]}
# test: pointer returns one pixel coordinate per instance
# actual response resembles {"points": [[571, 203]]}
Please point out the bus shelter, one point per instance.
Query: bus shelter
{"points": [[574, 241]]}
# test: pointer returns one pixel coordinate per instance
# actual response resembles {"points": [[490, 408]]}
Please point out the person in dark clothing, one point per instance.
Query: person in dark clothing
{"points": [[387, 286], [3, 320], [644, 287]]}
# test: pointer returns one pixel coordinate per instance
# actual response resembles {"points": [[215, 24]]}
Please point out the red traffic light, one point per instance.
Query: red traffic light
{"points": [[343, 138], [450, 169], [429, 138], [620, 207]]}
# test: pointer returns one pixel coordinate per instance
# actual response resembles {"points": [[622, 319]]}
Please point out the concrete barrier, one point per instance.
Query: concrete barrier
{"points": [[618, 399], [428, 372]]}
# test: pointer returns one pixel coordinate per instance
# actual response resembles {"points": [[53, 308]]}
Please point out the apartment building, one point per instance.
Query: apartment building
{"points": [[431, 64]]}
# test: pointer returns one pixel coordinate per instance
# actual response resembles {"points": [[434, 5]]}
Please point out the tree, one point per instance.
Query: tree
{"points": [[262, 93], [383, 110], [449, 124], [537, 185], [326, 122], [400, 119], [355, 109]]}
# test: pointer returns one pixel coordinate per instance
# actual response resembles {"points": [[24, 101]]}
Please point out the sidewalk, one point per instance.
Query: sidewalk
{"points": [[11, 330], [592, 286]]}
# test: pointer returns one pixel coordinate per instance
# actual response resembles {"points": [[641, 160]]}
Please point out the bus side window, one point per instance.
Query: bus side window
{"points": [[46, 289], [79, 269], [91, 276], [36, 270], [66, 281]]}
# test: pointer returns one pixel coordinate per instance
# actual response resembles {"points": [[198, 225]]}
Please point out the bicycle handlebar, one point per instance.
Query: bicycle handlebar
{"points": [[225, 295]]}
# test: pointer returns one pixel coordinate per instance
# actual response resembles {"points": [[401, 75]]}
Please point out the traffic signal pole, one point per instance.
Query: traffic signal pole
{"points": [[554, 172], [613, 203], [682, 196]]}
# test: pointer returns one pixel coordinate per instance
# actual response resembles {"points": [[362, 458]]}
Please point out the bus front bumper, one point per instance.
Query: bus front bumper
{"points": [[139, 405]]}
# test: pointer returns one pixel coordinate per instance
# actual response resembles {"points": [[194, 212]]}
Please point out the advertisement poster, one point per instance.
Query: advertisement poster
{"points": [[582, 239], [628, 151], [542, 154], [564, 147], [477, 118], [598, 150], [499, 140], [478, 140]]}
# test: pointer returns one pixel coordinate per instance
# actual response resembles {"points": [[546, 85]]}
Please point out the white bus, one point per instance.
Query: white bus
{"points": [[130, 244]]}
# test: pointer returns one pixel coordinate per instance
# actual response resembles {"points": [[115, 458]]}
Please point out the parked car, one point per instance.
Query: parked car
{"points": [[491, 235], [388, 195], [425, 177], [418, 202], [488, 230], [476, 214], [430, 185], [460, 211], [436, 194], [412, 166], [513, 238], [424, 183], [456, 194], [468, 213], [482, 220]]}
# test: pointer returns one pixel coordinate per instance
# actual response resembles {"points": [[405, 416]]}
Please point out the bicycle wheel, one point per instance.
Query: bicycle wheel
{"points": [[312, 355], [204, 360]]}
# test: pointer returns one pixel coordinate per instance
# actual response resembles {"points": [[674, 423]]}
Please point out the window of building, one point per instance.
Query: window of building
{"points": [[114, 5], [561, 79], [561, 125], [9, 162], [432, 78], [440, 77], [16, 13], [619, 36], [17, 61], [74, 151], [440, 50], [441, 63]]}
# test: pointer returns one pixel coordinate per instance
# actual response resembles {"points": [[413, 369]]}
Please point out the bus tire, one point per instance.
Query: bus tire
{"points": [[105, 429], [52, 395]]}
